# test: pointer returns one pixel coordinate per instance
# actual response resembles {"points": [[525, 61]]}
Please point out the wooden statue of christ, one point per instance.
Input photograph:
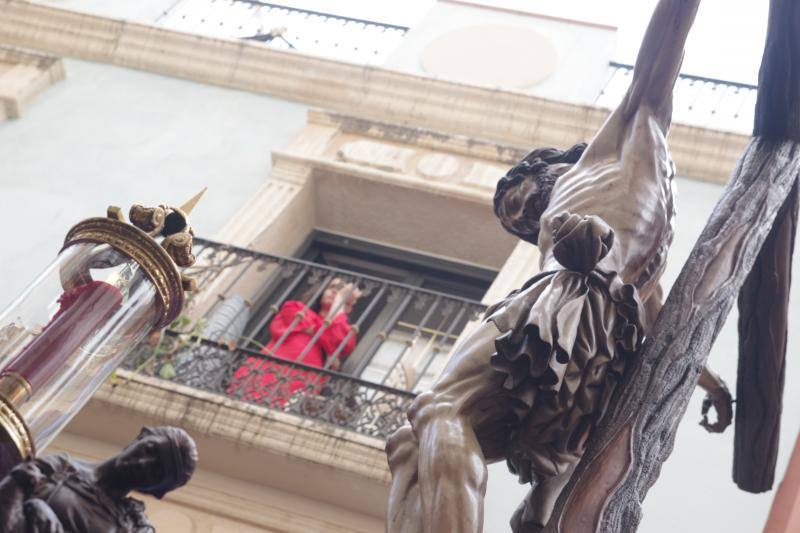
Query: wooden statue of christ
{"points": [[530, 384]]}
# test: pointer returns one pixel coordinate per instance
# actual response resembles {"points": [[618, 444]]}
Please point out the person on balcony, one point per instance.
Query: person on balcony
{"points": [[318, 335]]}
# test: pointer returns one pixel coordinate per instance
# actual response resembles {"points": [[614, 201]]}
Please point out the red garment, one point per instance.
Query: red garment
{"points": [[268, 375], [82, 311]]}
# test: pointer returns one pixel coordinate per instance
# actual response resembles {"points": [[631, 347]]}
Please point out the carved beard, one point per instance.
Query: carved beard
{"points": [[522, 196], [521, 201], [536, 203]]}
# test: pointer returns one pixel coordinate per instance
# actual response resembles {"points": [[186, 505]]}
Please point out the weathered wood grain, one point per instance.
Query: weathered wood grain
{"points": [[642, 420], [657, 388]]}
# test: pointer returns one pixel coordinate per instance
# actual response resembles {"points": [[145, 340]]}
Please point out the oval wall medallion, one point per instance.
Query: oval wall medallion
{"points": [[438, 166], [492, 55]]}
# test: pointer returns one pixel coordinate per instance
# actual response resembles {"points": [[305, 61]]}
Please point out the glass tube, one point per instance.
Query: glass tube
{"points": [[69, 330]]}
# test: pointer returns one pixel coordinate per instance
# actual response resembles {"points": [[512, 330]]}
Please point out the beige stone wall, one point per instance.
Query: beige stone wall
{"points": [[23, 75], [403, 187], [509, 117]]}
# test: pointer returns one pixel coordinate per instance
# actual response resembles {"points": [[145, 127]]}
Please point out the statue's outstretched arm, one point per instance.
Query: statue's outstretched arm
{"points": [[660, 58], [654, 75]]}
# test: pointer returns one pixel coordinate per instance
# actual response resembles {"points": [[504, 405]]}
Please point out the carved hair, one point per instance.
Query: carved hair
{"points": [[524, 193]]}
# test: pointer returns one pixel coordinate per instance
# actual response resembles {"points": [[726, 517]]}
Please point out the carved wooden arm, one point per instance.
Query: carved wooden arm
{"points": [[660, 57]]}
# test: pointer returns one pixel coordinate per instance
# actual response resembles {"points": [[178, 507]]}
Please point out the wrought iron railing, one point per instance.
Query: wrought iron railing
{"points": [[284, 27], [698, 101], [261, 331]]}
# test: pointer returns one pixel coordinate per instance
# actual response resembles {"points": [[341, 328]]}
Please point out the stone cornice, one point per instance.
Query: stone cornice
{"points": [[418, 137], [510, 118], [29, 75], [323, 166]]}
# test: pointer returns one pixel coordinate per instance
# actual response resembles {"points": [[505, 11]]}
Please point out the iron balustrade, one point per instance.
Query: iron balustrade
{"points": [[283, 27], [240, 334], [698, 101]]}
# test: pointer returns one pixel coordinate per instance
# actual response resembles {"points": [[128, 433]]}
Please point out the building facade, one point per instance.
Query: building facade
{"points": [[335, 149]]}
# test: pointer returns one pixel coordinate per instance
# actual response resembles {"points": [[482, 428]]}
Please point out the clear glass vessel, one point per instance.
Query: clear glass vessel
{"points": [[67, 333]]}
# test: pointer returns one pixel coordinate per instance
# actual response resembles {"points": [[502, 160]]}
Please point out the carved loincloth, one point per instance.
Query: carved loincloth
{"points": [[566, 339]]}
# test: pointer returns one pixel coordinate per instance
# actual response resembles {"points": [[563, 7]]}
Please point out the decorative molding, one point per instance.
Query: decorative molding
{"points": [[417, 136], [474, 54], [287, 179], [521, 265], [376, 155], [24, 75], [214, 414], [444, 164], [482, 175], [437, 166], [508, 117], [322, 166]]}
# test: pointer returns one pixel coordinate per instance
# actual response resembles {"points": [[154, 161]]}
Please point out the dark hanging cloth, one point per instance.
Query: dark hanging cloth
{"points": [[566, 338], [764, 298]]}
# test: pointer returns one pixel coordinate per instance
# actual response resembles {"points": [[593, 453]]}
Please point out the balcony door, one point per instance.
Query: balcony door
{"points": [[413, 308]]}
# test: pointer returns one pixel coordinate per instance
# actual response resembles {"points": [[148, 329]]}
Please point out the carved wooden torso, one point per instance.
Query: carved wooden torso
{"points": [[626, 177]]}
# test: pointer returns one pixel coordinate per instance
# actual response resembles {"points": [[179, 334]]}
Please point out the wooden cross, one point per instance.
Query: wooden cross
{"points": [[745, 251]]}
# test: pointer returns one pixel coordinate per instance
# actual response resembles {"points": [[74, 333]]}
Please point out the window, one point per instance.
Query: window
{"points": [[412, 310]]}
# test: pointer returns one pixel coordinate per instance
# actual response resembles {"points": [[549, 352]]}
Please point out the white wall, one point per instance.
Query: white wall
{"points": [[695, 492], [109, 135], [138, 11], [583, 51]]}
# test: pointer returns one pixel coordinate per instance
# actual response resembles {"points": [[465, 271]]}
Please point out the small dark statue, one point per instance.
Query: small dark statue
{"points": [[57, 494]]}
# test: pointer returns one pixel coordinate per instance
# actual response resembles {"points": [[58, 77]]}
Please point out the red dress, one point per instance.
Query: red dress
{"points": [[260, 380]]}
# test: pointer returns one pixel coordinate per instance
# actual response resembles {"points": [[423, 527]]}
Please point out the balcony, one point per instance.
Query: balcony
{"points": [[397, 340], [287, 28], [698, 101]]}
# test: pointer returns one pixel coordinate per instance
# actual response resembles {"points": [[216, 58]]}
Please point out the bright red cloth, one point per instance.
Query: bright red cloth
{"points": [[266, 374]]}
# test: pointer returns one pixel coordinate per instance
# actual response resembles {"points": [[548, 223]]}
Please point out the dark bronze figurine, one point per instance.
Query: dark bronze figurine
{"points": [[57, 494], [531, 383]]}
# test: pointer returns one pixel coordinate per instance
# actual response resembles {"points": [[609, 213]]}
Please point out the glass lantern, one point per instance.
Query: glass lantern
{"points": [[112, 284]]}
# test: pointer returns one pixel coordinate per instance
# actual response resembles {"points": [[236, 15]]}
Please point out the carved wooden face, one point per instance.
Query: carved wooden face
{"points": [[141, 465], [523, 195], [520, 208]]}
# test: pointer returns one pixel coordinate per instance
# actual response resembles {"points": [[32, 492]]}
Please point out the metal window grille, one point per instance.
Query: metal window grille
{"points": [[282, 27], [698, 101], [226, 343]]}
